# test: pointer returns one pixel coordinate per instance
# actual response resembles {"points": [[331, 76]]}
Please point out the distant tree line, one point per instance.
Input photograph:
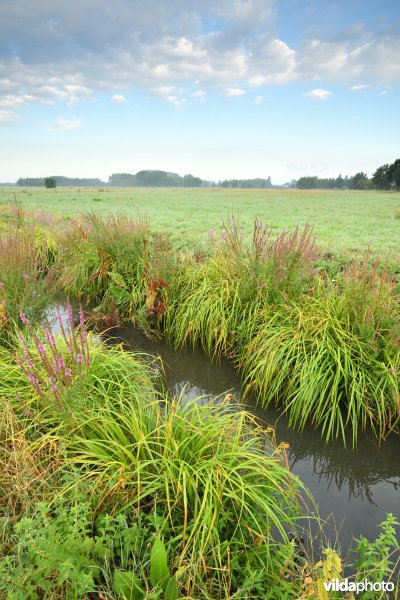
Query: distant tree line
{"points": [[386, 177], [60, 180], [256, 183], [359, 181], [154, 178]]}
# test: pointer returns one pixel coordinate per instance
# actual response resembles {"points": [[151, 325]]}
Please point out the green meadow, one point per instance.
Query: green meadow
{"points": [[345, 220]]}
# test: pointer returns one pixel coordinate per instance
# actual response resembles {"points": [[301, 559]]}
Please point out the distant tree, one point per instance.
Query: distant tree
{"points": [[359, 181], [394, 174], [30, 181], [339, 183], [307, 183], [50, 182], [380, 179], [190, 181]]}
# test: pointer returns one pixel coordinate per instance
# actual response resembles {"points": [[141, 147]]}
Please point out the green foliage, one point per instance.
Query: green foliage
{"points": [[377, 561], [203, 470], [158, 564], [23, 269], [50, 183], [318, 363]]}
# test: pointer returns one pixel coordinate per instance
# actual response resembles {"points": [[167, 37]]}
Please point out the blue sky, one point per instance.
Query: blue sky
{"points": [[220, 89]]}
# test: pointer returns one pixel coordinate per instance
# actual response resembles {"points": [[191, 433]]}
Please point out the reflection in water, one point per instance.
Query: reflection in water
{"points": [[357, 487]]}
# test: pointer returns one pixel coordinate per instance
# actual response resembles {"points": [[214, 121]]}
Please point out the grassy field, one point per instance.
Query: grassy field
{"points": [[343, 220]]}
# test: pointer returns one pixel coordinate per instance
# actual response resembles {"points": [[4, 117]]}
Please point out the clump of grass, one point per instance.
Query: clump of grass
{"points": [[208, 302], [308, 358], [27, 469], [23, 272], [92, 247], [219, 497]]}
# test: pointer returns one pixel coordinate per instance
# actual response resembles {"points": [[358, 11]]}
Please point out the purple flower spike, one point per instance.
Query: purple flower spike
{"points": [[23, 318], [41, 349], [81, 317], [79, 358]]}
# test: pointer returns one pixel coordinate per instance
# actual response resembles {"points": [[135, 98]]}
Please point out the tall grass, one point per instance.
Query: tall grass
{"points": [[220, 498], [23, 273], [91, 247], [207, 302], [309, 358]]}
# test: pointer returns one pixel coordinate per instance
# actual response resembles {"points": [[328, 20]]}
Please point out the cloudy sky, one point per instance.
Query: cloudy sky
{"points": [[217, 88]]}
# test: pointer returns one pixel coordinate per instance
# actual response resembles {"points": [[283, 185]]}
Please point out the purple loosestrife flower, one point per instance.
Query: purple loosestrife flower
{"points": [[41, 349], [28, 363], [23, 318], [81, 317], [69, 313], [61, 363], [50, 338], [67, 372], [79, 358]]}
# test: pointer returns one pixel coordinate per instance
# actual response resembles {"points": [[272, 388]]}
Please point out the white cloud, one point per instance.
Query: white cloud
{"points": [[359, 88], [119, 98], [383, 93], [64, 124], [67, 53], [7, 117], [318, 94], [199, 95], [258, 99], [234, 92]]}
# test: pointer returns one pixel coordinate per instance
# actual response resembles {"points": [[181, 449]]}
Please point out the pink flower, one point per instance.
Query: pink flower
{"points": [[23, 318], [26, 276]]}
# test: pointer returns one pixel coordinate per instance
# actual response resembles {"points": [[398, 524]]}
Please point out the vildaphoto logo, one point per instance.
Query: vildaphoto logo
{"points": [[345, 585]]}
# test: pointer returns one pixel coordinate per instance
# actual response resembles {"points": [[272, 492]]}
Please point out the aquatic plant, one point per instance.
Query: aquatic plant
{"points": [[307, 358]]}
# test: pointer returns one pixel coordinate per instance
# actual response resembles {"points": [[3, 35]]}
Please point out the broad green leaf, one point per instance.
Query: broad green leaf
{"points": [[117, 278], [127, 585], [171, 591], [158, 563]]}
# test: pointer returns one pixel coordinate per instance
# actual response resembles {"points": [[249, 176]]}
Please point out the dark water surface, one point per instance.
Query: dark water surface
{"points": [[353, 489]]}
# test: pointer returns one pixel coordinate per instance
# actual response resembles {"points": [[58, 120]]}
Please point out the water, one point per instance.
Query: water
{"points": [[353, 489]]}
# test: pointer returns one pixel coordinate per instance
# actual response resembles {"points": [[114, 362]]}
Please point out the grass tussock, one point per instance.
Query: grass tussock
{"points": [[310, 358]]}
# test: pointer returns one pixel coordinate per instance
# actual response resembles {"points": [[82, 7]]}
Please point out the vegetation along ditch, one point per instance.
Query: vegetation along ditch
{"points": [[114, 486]]}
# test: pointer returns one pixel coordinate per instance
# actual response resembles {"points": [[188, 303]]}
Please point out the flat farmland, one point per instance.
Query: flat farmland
{"points": [[343, 220]]}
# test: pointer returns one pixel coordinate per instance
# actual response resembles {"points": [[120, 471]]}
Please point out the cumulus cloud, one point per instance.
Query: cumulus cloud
{"points": [[7, 117], [199, 95], [318, 94], [119, 98], [63, 53], [234, 92], [359, 87], [63, 124]]}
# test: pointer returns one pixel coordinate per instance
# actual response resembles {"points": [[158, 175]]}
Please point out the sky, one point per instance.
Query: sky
{"points": [[216, 88]]}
